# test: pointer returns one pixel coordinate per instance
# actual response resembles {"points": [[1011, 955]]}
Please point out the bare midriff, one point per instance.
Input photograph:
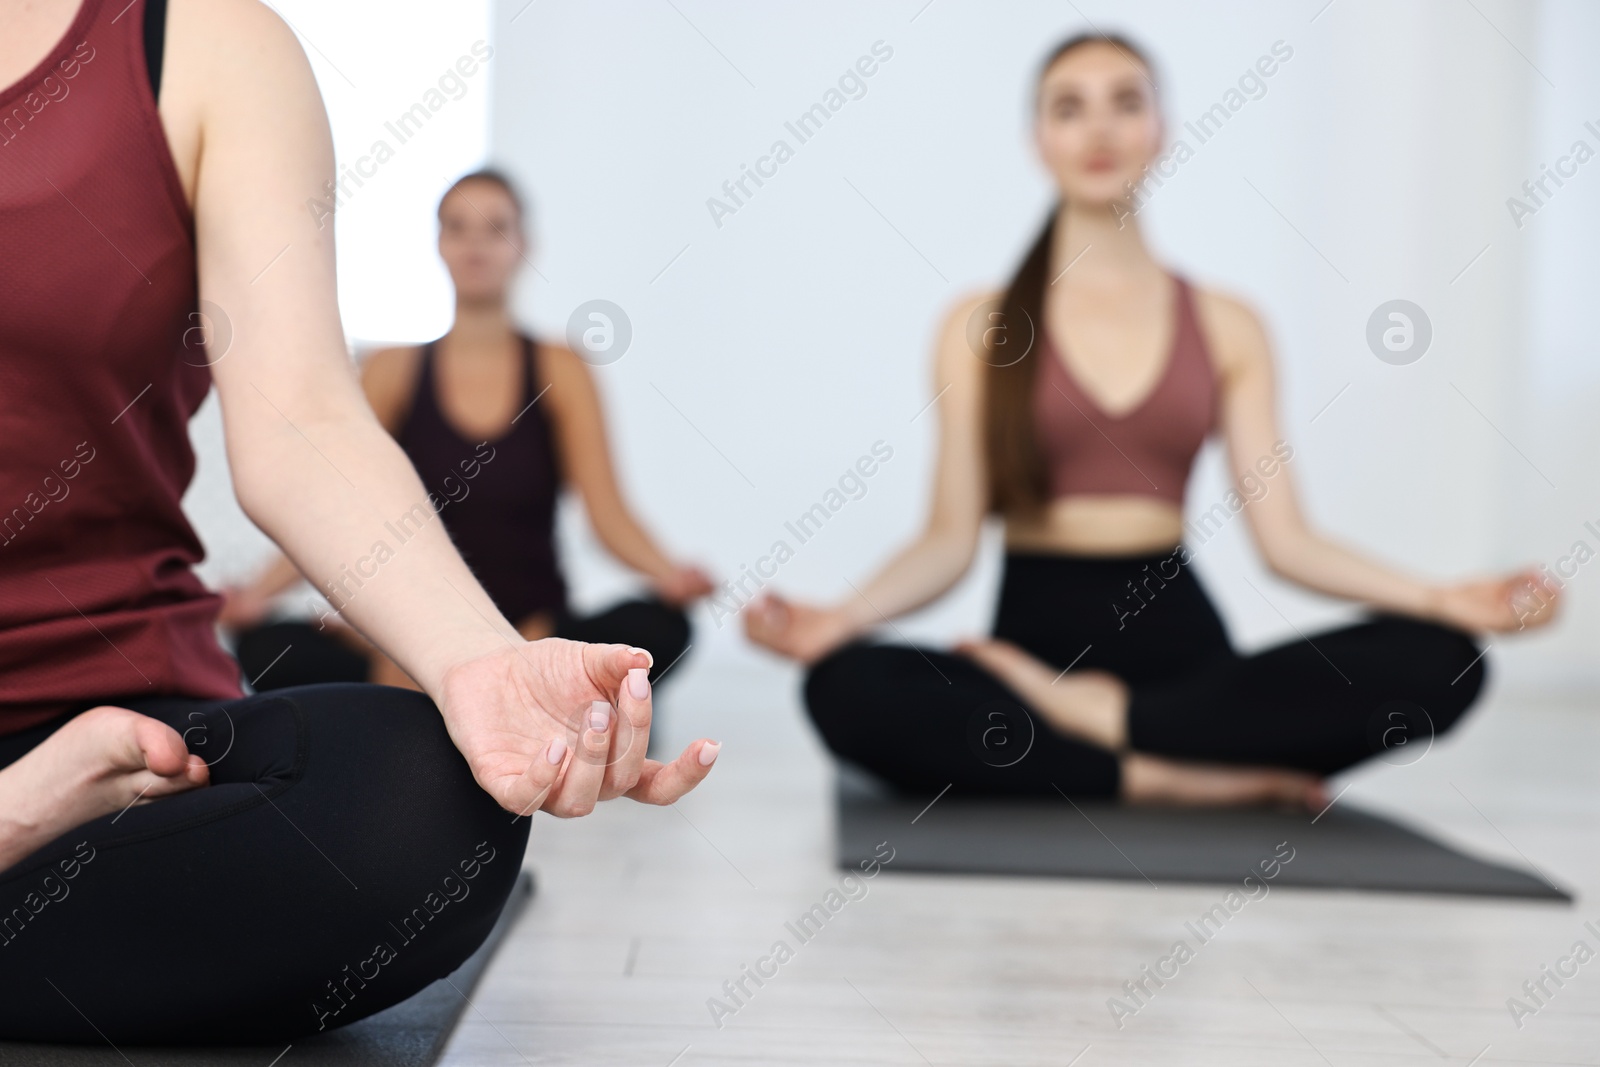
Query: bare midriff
{"points": [[1098, 526]]}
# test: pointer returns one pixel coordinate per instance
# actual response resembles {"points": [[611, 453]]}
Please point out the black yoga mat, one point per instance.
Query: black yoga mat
{"points": [[410, 1034], [1343, 848]]}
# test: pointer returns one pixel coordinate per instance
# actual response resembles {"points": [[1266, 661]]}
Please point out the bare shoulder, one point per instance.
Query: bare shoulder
{"points": [[237, 40], [560, 359], [559, 365], [1233, 329], [962, 333], [388, 377], [246, 24], [572, 398], [388, 365], [220, 56]]}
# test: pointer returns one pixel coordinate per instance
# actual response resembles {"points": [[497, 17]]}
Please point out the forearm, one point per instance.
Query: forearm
{"points": [[278, 575], [917, 575], [343, 502], [627, 540], [1327, 567]]}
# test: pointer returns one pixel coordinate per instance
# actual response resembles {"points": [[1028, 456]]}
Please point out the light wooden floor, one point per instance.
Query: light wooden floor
{"points": [[642, 914]]}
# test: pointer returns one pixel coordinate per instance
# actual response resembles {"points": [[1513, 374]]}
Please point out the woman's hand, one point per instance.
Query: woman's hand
{"points": [[1517, 602], [683, 585], [798, 631], [560, 725]]}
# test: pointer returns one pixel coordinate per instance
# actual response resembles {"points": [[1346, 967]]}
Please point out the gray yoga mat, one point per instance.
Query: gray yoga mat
{"points": [[410, 1034], [1344, 848]]}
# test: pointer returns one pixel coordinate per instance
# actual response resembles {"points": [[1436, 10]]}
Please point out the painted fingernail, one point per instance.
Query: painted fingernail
{"points": [[599, 715], [639, 683], [643, 652], [557, 749], [708, 753]]}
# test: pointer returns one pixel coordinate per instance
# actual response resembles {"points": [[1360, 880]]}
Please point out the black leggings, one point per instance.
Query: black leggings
{"points": [[341, 859], [922, 719], [283, 654]]}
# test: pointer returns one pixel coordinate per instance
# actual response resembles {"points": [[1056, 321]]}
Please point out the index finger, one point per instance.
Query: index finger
{"points": [[631, 739]]}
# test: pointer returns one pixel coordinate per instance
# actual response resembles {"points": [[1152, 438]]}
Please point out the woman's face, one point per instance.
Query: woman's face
{"points": [[1097, 126], [480, 240]]}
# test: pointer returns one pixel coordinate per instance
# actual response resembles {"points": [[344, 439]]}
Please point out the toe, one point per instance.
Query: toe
{"points": [[164, 752]]}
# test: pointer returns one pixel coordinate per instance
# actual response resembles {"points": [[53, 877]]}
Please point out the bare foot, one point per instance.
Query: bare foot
{"points": [[1089, 705], [1154, 780], [103, 760]]}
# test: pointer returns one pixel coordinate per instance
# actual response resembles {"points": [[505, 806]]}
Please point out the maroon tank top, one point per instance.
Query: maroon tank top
{"points": [[1146, 451], [497, 498], [97, 272]]}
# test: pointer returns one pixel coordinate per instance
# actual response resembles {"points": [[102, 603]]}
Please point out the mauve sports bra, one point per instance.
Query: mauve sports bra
{"points": [[1147, 451]]}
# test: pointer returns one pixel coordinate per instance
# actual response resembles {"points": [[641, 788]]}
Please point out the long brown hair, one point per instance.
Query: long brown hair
{"points": [[1018, 480]]}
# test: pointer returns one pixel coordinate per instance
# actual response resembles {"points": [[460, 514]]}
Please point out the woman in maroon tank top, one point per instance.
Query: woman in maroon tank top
{"points": [[495, 424], [1073, 404], [153, 169]]}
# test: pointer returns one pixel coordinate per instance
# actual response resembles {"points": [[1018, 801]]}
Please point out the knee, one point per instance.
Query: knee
{"points": [[392, 744], [1467, 665], [1447, 667], [827, 678], [669, 632], [841, 687], [407, 719], [1457, 664]]}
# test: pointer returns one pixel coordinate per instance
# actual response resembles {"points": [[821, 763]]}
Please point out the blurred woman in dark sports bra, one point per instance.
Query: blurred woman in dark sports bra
{"points": [[1072, 405], [496, 424]]}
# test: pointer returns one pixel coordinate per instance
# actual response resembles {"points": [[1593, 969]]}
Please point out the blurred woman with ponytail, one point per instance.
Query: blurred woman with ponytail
{"points": [[1072, 405]]}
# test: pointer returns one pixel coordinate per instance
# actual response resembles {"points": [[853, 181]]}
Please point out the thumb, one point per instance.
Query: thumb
{"points": [[774, 609], [161, 749], [608, 666]]}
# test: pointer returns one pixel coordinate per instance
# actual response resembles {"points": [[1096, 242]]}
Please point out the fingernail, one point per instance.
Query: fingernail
{"points": [[599, 715], [643, 652], [639, 683], [708, 753], [557, 749]]}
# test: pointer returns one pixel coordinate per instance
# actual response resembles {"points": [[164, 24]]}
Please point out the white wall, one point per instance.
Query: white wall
{"points": [[1554, 409], [773, 350]]}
